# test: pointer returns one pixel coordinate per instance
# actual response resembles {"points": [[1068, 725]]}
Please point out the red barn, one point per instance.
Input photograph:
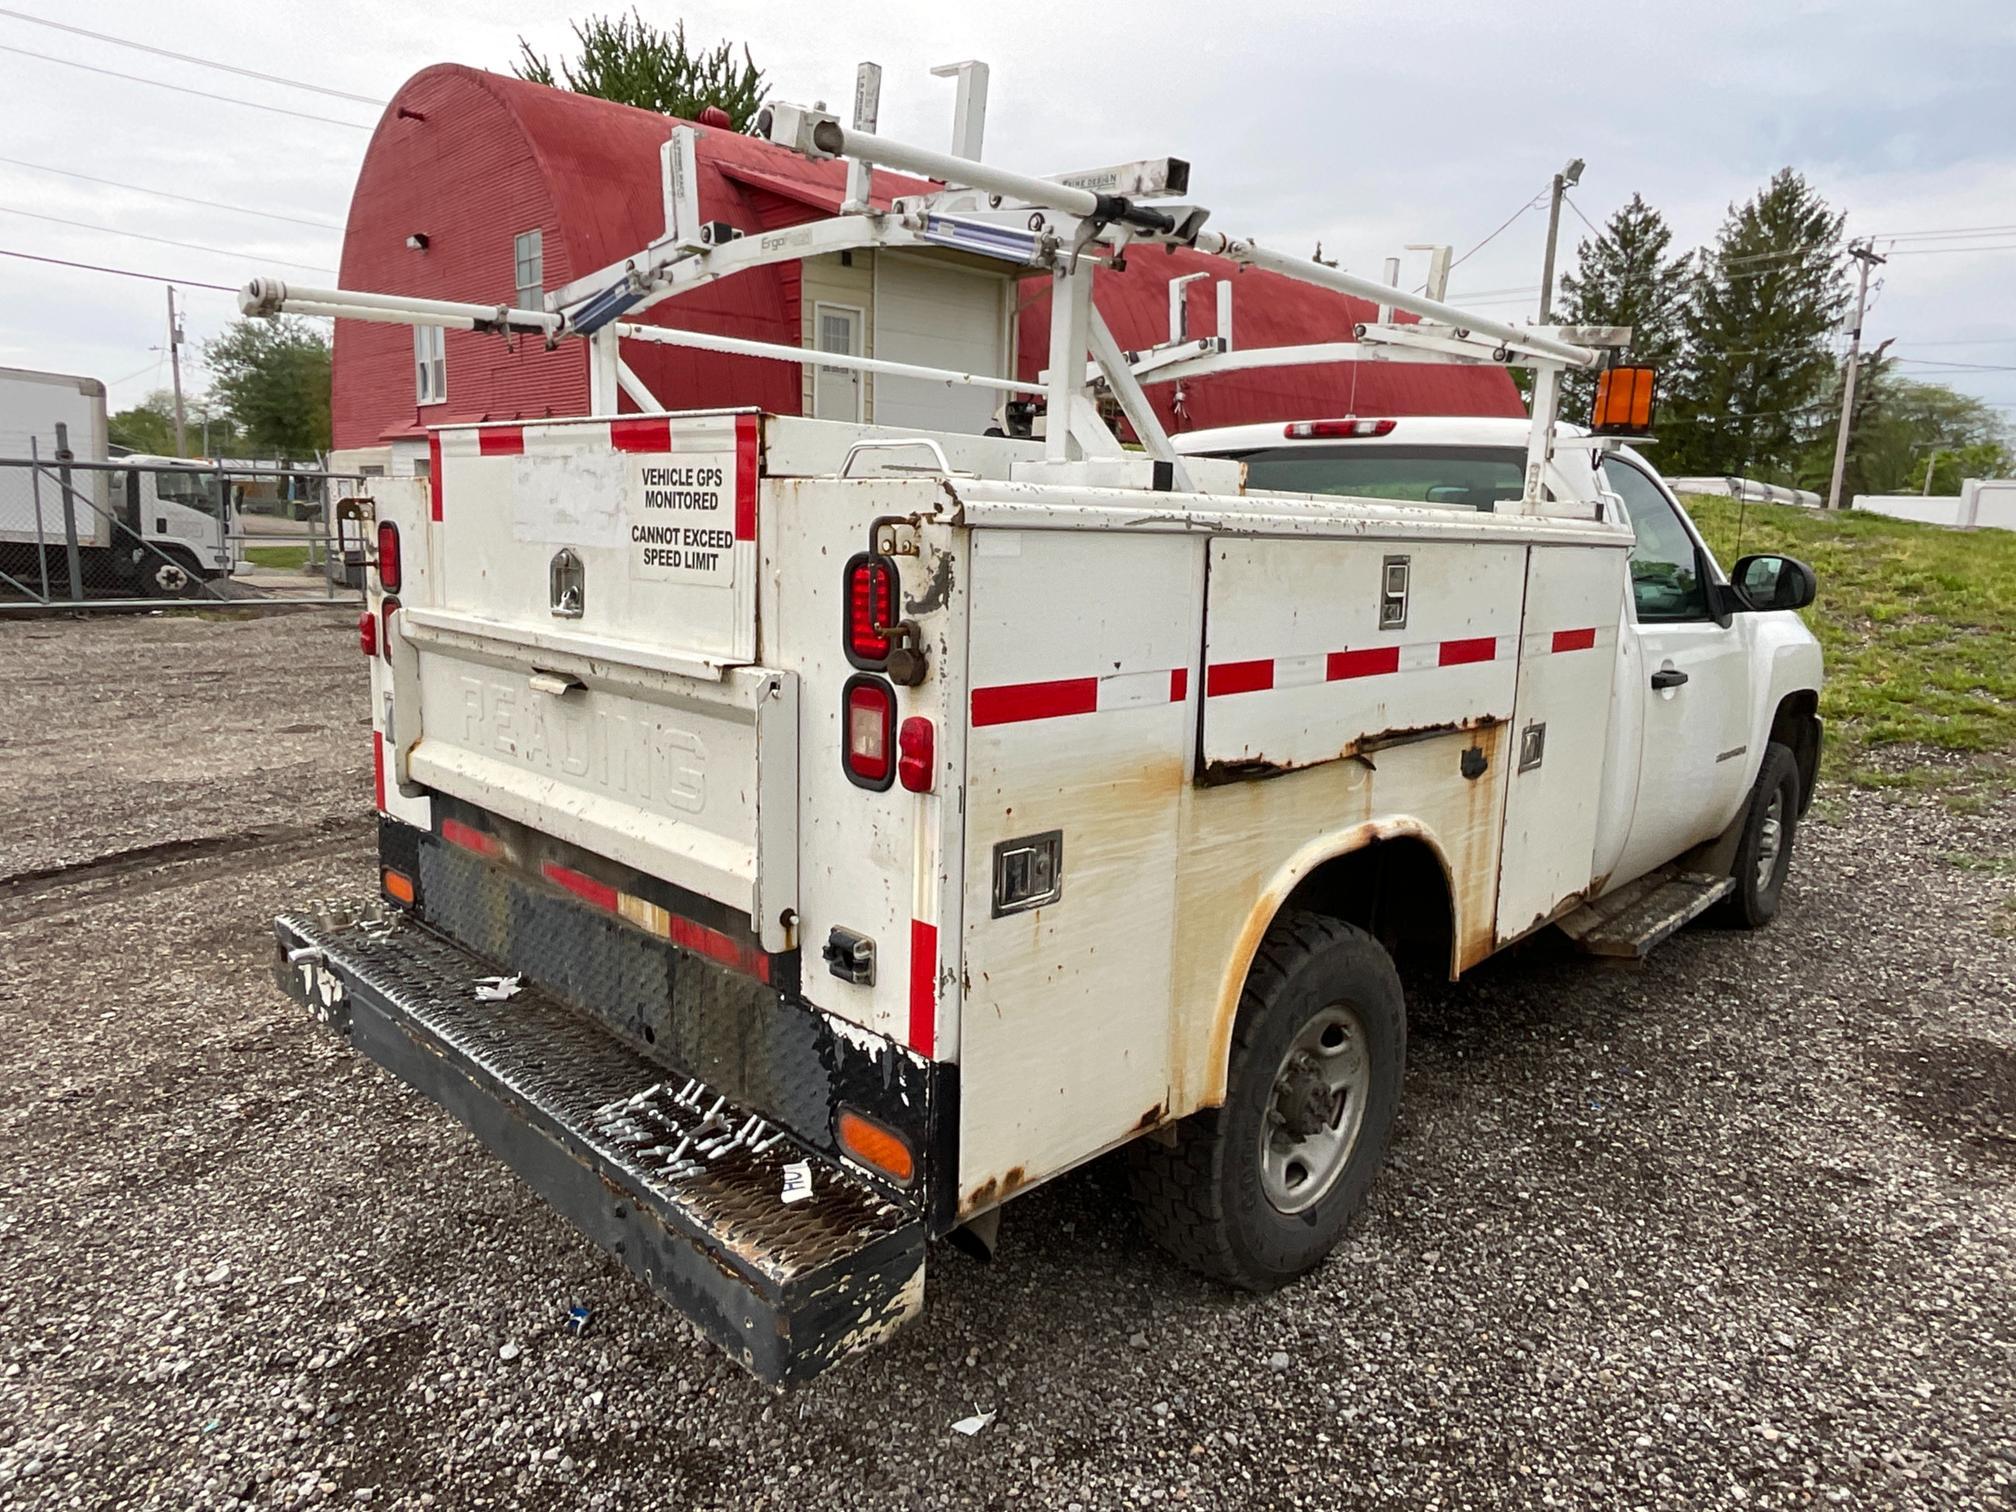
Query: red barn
{"points": [[486, 188]]}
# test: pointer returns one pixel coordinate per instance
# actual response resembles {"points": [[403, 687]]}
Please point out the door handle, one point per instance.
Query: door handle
{"points": [[1668, 677]]}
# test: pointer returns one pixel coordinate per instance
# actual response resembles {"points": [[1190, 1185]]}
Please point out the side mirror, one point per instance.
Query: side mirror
{"points": [[1772, 582]]}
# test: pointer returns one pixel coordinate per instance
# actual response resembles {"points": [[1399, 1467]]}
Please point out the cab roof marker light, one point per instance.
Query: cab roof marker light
{"points": [[1324, 430]]}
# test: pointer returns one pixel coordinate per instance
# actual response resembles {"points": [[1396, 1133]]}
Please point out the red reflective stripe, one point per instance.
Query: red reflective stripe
{"points": [[1037, 700], [378, 767], [1179, 685], [923, 986], [501, 441], [1238, 677], [455, 832], [717, 946], [584, 887], [1370, 662], [433, 475], [1457, 652], [1574, 640], [641, 433], [745, 477]]}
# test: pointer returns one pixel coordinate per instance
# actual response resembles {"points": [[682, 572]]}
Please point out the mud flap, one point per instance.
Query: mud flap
{"points": [[596, 1128]]}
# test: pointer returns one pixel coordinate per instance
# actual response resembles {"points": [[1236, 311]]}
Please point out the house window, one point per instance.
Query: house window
{"points": [[430, 365], [528, 253], [836, 391]]}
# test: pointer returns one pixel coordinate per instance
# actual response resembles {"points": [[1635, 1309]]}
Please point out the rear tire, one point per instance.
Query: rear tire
{"points": [[1259, 1191], [1764, 854]]}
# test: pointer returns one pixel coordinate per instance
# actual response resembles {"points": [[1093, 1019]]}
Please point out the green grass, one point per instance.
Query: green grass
{"points": [[1917, 624], [288, 558]]}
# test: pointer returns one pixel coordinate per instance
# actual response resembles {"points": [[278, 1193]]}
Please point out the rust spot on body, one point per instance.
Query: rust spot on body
{"points": [[1258, 768], [1149, 1119]]}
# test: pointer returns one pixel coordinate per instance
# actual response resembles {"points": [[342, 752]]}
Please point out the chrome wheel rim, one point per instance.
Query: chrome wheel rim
{"points": [[1770, 839], [1315, 1110]]}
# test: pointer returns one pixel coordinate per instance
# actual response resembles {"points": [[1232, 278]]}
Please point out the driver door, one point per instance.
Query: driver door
{"points": [[1694, 688]]}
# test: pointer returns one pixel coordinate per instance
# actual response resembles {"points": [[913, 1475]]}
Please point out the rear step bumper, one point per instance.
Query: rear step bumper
{"points": [[596, 1128]]}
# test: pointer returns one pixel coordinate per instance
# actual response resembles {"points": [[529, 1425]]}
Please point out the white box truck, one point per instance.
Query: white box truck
{"points": [[152, 526], [798, 840]]}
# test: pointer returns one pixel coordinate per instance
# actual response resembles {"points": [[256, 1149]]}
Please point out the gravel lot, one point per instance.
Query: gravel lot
{"points": [[1739, 1228]]}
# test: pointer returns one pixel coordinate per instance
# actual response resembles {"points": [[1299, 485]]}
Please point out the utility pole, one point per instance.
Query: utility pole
{"points": [[1865, 259], [1565, 180], [175, 366]]}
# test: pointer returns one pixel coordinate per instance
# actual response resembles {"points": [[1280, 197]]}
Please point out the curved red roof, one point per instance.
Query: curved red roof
{"points": [[1268, 310], [472, 159]]}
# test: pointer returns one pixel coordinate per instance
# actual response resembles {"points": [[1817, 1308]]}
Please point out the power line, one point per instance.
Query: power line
{"points": [[1935, 251], [162, 52], [201, 94], [186, 199], [64, 262], [163, 240], [1949, 231], [1568, 200]]}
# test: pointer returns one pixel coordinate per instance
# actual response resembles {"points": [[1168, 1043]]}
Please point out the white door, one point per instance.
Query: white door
{"points": [[1695, 683], [836, 391], [941, 317]]}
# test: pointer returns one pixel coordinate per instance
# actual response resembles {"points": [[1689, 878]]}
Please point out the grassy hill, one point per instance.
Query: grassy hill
{"points": [[1918, 624]]}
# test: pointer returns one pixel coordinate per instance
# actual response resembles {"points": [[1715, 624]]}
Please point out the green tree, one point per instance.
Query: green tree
{"points": [[627, 59], [147, 427], [273, 377], [1625, 277], [1757, 328], [1902, 426]]}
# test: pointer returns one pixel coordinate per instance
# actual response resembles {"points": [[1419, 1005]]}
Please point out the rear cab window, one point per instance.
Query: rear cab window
{"points": [[1449, 477]]}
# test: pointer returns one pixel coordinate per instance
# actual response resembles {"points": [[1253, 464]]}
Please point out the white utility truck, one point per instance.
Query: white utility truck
{"points": [[157, 526], [799, 839]]}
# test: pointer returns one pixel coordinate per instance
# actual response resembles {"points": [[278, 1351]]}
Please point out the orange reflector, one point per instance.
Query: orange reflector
{"points": [[1623, 401], [877, 1148], [398, 886]]}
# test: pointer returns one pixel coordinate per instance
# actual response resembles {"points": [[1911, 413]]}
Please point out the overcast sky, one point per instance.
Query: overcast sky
{"points": [[1365, 126]]}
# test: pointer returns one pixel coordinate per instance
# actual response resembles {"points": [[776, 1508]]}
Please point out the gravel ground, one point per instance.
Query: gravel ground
{"points": [[1738, 1228]]}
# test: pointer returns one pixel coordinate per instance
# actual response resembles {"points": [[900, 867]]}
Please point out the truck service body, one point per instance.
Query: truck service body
{"points": [[801, 838]]}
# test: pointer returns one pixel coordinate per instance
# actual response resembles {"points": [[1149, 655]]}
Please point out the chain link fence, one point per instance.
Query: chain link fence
{"points": [[140, 531]]}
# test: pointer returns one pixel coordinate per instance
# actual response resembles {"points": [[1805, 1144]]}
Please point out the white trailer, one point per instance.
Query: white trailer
{"points": [[798, 839], [147, 524]]}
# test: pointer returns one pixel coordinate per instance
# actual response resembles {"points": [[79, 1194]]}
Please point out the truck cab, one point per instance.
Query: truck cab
{"points": [[1701, 691], [180, 508]]}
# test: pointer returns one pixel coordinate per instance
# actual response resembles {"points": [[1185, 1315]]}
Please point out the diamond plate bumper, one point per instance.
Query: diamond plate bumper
{"points": [[680, 1185]]}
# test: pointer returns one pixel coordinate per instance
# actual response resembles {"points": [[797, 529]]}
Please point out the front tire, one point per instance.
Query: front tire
{"points": [[165, 575], [1259, 1191], [1764, 853]]}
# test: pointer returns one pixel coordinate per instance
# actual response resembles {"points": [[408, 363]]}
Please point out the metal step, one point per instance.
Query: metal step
{"points": [[1627, 923], [684, 1188]]}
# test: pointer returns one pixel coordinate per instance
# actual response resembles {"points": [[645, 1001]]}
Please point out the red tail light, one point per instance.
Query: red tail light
{"points": [[870, 608], [389, 571], [916, 745], [867, 717], [367, 633], [386, 610], [1319, 430]]}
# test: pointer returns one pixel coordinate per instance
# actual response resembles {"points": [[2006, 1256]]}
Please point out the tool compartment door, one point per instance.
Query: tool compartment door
{"points": [[1567, 669], [1076, 750], [1317, 650]]}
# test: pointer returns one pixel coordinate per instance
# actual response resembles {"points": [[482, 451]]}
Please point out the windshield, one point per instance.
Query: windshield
{"points": [[1454, 477], [193, 488]]}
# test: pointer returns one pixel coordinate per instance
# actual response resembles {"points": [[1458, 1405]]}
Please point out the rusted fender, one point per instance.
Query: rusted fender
{"points": [[1284, 881]]}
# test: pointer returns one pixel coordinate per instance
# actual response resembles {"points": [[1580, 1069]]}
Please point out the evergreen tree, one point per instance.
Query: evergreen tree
{"points": [[1624, 277], [627, 59], [1757, 327]]}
